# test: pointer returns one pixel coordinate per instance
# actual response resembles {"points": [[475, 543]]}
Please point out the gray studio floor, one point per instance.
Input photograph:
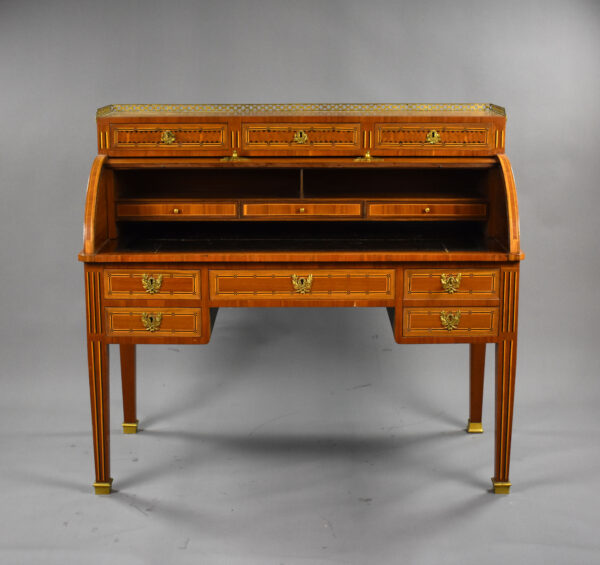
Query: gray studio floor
{"points": [[304, 439]]}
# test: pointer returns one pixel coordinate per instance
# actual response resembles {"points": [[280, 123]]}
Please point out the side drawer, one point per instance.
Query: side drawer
{"points": [[451, 284], [301, 210], [302, 284], [449, 321], [424, 210], [300, 138], [155, 139], [437, 138], [129, 283], [176, 210], [149, 322]]}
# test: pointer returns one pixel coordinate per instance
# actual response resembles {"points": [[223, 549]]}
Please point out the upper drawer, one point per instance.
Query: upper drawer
{"points": [[427, 209], [176, 210], [160, 139], [449, 284], [438, 139], [133, 283], [300, 138]]}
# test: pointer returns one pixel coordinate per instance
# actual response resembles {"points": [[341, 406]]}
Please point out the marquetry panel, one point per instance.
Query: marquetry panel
{"points": [[424, 210], [92, 295], [168, 136], [433, 136], [167, 322], [473, 283], [324, 284], [300, 136], [301, 210], [176, 210], [162, 284], [428, 322]]}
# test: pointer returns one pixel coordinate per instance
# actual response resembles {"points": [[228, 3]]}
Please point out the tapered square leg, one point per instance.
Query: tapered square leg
{"points": [[476, 374], [128, 382]]}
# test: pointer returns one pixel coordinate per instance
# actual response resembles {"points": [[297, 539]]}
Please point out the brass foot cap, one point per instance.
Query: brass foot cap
{"points": [[103, 488], [474, 427], [501, 487], [130, 428]]}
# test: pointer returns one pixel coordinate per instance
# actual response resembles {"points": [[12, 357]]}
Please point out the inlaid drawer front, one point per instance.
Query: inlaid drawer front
{"points": [[302, 210], [149, 322], [433, 136], [177, 210], [126, 283], [450, 321], [449, 284], [424, 210], [300, 137], [169, 136], [302, 284]]}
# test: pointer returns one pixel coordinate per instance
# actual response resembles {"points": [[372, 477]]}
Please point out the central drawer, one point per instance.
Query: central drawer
{"points": [[302, 284], [301, 210]]}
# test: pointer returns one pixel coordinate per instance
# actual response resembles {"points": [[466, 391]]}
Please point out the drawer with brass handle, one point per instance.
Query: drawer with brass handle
{"points": [[301, 284], [149, 322], [451, 283], [426, 209], [302, 210], [134, 210], [134, 283], [448, 321]]}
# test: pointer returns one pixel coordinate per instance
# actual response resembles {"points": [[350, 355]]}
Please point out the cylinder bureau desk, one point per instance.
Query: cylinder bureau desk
{"points": [[409, 207]]}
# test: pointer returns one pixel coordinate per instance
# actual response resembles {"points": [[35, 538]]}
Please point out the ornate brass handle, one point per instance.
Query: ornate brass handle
{"points": [[450, 283], [449, 320], [151, 321], [151, 284], [167, 137], [300, 136], [433, 137], [302, 285]]}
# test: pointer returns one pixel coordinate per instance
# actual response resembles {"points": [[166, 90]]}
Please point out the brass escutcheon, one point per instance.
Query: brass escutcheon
{"points": [[300, 137], [151, 284], [433, 137], [302, 285], [167, 137], [449, 320], [450, 283], [151, 321]]}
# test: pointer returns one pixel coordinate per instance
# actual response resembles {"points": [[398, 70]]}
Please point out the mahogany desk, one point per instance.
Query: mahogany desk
{"points": [[411, 207]]}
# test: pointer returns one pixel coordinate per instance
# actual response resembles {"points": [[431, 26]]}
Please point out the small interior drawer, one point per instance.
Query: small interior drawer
{"points": [[302, 209], [424, 210], [176, 210]]}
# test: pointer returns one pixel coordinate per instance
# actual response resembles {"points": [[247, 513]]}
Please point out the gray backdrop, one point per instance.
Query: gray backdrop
{"points": [[61, 60]]}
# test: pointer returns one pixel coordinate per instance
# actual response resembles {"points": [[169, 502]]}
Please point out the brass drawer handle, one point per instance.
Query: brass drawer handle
{"points": [[433, 137], [302, 285], [300, 137], [167, 137], [426, 210], [449, 320], [301, 210], [151, 284], [151, 321], [176, 211], [450, 283]]}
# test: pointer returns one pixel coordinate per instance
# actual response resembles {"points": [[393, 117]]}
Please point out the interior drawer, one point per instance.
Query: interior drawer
{"points": [[176, 210], [301, 138], [450, 321], [301, 210], [134, 283], [451, 284], [302, 284], [150, 322], [423, 210], [159, 138]]}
